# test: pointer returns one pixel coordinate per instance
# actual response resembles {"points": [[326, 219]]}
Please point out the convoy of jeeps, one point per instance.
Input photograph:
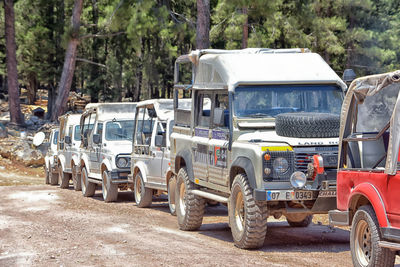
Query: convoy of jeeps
{"points": [[266, 132]]}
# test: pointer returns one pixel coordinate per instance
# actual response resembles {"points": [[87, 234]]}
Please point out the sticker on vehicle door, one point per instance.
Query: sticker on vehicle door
{"points": [[220, 156]]}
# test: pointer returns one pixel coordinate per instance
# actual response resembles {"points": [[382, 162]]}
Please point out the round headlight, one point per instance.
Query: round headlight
{"points": [[298, 179], [122, 162], [280, 165]]}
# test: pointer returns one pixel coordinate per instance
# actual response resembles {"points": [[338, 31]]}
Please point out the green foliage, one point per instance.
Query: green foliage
{"points": [[138, 41]]}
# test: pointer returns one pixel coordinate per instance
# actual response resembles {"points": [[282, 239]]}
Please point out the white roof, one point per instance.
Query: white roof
{"points": [[72, 119], [261, 66], [109, 111], [164, 107]]}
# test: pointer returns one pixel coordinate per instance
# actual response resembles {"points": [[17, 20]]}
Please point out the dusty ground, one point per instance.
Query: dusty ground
{"points": [[44, 225]]}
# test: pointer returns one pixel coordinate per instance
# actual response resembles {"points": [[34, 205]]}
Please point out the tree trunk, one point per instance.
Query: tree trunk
{"points": [[16, 115], [69, 63], [32, 88], [203, 24], [245, 28]]}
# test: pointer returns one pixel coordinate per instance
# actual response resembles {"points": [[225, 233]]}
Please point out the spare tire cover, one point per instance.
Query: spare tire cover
{"points": [[305, 124]]}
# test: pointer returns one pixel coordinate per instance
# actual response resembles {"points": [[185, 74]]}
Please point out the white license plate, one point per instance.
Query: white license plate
{"points": [[289, 195]]}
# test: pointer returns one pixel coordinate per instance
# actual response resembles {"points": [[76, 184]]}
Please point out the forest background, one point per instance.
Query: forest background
{"points": [[126, 49]]}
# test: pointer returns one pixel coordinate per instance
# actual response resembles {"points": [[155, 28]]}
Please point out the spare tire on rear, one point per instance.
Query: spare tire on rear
{"points": [[305, 124]]}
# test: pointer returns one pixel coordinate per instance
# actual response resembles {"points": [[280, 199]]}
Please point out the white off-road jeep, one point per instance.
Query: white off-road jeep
{"points": [[151, 173], [68, 150], [50, 159], [271, 112], [106, 131]]}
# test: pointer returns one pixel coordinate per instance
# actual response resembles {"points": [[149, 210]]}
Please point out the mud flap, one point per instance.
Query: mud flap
{"points": [[325, 202]]}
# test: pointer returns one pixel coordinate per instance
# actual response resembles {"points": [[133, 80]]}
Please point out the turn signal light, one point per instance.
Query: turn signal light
{"points": [[267, 157]]}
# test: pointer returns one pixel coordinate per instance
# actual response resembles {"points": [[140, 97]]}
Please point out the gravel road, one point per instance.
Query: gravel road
{"points": [[44, 225]]}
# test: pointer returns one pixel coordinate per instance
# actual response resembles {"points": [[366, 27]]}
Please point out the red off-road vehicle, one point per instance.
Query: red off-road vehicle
{"points": [[368, 178]]}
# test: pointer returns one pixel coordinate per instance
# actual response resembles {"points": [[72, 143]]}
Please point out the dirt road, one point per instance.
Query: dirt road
{"points": [[44, 225]]}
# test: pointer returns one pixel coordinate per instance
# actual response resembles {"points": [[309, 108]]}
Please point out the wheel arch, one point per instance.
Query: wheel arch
{"points": [[141, 167], [243, 165], [184, 159], [367, 194]]}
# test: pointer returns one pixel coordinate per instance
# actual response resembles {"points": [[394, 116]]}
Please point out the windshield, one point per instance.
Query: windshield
{"points": [[271, 100], [119, 130], [77, 135], [55, 137]]}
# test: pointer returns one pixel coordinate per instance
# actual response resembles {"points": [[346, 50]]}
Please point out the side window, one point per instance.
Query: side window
{"points": [[221, 111], [99, 130], [87, 127], [203, 107]]}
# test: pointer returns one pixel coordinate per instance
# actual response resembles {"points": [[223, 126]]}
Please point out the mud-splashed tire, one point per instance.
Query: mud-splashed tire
{"points": [[171, 195], [299, 220], [109, 190], [64, 177], [143, 195], [247, 217], [88, 188], [364, 241], [53, 177], [189, 207], [76, 179]]}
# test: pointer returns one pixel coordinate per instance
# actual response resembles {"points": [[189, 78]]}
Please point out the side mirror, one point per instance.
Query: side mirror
{"points": [[67, 139], [159, 140], [96, 139]]}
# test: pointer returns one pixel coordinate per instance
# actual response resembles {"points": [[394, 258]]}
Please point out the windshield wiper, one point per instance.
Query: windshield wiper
{"points": [[259, 115]]}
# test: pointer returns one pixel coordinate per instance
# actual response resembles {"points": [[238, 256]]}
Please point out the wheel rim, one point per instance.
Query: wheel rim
{"points": [[105, 191], [363, 248], [182, 193], [239, 211], [138, 189]]}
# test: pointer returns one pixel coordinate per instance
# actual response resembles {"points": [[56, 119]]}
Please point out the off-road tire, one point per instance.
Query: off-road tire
{"points": [[76, 179], [88, 188], [189, 207], [64, 177], [302, 221], [53, 178], [249, 223], [47, 176], [305, 124], [143, 195], [171, 195], [109, 190], [365, 225]]}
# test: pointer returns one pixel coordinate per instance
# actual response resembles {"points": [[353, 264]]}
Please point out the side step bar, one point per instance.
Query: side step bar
{"points": [[210, 196], [389, 245]]}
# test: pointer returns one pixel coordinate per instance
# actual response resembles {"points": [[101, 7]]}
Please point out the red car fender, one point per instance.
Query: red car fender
{"points": [[372, 194]]}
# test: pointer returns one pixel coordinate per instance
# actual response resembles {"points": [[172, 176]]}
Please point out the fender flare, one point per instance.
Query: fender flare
{"points": [[75, 160], [247, 165], [61, 160], [85, 160], [106, 163], [372, 194], [140, 166], [187, 157]]}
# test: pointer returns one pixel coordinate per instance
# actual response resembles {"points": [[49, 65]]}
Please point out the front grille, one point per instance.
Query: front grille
{"points": [[275, 176], [303, 156]]}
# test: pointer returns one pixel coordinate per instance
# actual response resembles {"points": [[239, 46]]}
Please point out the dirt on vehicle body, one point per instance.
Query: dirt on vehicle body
{"points": [[68, 148], [271, 112], [50, 159], [106, 131]]}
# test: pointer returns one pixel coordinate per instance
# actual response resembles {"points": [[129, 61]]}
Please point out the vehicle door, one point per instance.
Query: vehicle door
{"points": [[68, 149], [86, 136], [157, 150], [218, 143], [200, 153], [95, 151], [166, 151]]}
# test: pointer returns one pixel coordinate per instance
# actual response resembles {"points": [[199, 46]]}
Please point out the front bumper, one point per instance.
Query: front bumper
{"points": [[120, 176]]}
